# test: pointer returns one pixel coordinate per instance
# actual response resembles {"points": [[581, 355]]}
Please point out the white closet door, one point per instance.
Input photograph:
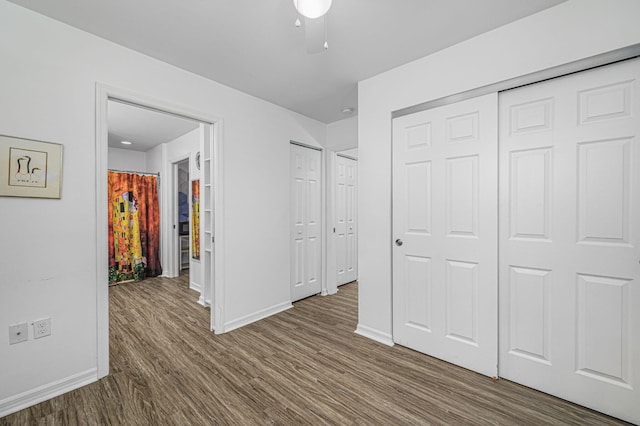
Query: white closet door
{"points": [[445, 204], [306, 214], [345, 219], [570, 238]]}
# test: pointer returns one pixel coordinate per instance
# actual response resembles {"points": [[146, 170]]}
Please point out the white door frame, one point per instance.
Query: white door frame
{"points": [[171, 194], [330, 181], [104, 93]]}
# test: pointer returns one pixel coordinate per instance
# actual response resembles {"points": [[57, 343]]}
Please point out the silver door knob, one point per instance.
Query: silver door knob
{"points": [[399, 242]]}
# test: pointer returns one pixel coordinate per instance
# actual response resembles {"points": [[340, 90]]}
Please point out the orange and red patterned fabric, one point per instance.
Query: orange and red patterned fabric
{"points": [[134, 227]]}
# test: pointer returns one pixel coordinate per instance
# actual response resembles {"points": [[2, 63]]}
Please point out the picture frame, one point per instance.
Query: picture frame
{"points": [[30, 168]]}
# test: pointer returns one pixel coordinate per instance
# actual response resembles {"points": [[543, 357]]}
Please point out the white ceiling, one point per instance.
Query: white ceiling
{"points": [[143, 127], [253, 45]]}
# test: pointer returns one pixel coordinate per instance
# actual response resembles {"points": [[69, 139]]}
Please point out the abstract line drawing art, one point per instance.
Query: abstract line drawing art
{"points": [[30, 168]]}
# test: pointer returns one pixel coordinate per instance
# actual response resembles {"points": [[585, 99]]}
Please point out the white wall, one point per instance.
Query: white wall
{"points": [[154, 158], [127, 160], [568, 32], [185, 146], [47, 251], [342, 134]]}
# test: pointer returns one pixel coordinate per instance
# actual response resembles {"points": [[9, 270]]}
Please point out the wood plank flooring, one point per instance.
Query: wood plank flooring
{"points": [[303, 366]]}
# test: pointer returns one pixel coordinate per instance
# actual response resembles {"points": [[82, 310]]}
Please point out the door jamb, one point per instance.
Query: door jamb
{"points": [[173, 258], [330, 180]]}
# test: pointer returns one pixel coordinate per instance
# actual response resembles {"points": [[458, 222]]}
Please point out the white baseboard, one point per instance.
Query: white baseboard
{"points": [[34, 396], [256, 316], [195, 286], [203, 302], [373, 334]]}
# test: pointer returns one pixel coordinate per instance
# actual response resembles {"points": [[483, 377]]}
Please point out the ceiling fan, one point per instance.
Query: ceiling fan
{"points": [[315, 23]]}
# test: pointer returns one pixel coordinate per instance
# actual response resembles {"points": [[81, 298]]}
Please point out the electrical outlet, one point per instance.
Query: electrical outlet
{"points": [[41, 328], [18, 333]]}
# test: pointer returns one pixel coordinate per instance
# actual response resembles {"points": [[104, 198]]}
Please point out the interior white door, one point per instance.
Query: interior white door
{"points": [[306, 214], [570, 238], [445, 229], [345, 219]]}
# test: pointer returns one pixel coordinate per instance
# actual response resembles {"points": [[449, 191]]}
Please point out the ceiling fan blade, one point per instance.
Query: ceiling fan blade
{"points": [[314, 31]]}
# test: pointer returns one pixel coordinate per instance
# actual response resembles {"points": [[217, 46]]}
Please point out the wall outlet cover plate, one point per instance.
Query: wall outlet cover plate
{"points": [[41, 328], [18, 333]]}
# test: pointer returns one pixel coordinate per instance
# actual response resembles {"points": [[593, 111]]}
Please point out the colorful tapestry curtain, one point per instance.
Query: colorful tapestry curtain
{"points": [[134, 227], [195, 219]]}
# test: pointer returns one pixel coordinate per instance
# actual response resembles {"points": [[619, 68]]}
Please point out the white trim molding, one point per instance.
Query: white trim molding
{"points": [[330, 214], [195, 286], [102, 226], [257, 316], [373, 334], [170, 241], [45, 392]]}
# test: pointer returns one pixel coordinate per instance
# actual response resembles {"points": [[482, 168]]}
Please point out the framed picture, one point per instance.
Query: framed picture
{"points": [[30, 168]]}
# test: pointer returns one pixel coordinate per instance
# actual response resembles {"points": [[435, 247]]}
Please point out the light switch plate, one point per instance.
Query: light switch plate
{"points": [[18, 333]]}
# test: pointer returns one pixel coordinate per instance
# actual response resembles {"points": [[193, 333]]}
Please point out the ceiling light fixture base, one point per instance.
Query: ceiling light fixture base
{"points": [[312, 9]]}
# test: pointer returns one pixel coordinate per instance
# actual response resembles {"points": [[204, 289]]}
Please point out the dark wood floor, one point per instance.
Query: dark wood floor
{"points": [[303, 366]]}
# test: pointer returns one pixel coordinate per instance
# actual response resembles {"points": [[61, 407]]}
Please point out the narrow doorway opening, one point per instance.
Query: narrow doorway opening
{"points": [[183, 205], [158, 158], [150, 225]]}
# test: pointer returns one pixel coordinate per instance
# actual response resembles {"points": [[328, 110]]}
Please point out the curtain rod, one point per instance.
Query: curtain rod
{"points": [[138, 173]]}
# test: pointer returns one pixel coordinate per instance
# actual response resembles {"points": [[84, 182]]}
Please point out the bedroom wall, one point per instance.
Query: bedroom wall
{"points": [[48, 255], [568, 32], [342, 134], [126, 159]]}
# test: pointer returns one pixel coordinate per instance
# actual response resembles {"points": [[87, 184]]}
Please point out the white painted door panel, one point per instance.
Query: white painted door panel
{"points": [[306, 213], [345, 219], [445, 212], [570, 238]]}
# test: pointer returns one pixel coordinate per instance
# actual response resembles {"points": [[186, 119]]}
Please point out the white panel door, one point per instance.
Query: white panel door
{"points": [[345, 219], [306, 214], [445, 204], [570, 238]]}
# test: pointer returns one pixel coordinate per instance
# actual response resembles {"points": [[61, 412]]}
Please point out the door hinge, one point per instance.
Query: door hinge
{"points": [[334, 229], [213, 239]]}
